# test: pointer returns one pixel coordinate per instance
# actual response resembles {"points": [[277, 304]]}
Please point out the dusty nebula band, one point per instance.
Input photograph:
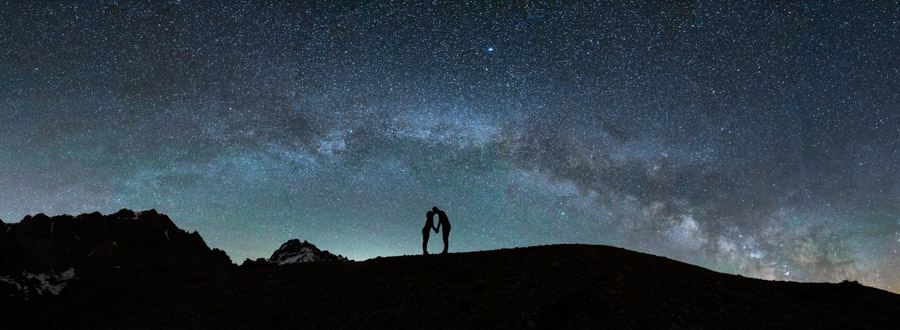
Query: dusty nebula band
{"points": [[756, 139]]}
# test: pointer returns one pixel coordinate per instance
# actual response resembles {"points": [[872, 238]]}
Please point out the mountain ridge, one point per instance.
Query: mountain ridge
{"points": [[553, 286], [91, 241], [41, 255], [294, 251]]}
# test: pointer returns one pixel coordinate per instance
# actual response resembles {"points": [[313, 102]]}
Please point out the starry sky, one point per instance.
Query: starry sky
{"points": [[759, 139]]}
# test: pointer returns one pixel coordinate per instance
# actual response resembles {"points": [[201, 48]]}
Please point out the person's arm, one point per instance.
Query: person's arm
{"points": [[437, 228]]}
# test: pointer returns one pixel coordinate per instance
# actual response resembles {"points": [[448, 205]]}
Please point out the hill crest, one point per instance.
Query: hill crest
{"points": [[554, 286]]}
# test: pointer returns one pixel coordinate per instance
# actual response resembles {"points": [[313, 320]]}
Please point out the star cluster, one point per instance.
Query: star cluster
{"points": [[759, 139]]}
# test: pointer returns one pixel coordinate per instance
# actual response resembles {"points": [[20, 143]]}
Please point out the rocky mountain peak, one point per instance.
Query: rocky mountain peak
{"points": [[295, 251], [48, 250]]}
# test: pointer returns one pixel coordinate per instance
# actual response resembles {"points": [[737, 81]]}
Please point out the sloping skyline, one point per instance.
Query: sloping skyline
{"points": [[758, 139]]}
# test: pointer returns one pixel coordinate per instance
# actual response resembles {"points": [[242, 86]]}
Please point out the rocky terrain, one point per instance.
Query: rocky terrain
{"points": [[552, 287], [294, 251], [40, 254]]}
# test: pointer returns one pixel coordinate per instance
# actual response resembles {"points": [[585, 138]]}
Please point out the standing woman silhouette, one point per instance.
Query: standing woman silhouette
{"points": [[429, 225]]}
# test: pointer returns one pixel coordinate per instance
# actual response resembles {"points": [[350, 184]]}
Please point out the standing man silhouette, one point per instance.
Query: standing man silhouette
{"points": [[443, 221]]}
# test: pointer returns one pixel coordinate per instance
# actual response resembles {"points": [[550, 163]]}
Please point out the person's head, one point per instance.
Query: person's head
{"points": [[435, 209], [429, 214]]}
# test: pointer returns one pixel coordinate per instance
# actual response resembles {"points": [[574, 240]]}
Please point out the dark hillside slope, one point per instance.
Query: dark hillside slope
{"points": [[557, 287]]}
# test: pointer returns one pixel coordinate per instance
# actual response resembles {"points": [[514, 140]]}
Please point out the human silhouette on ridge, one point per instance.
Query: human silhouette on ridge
{"points": [[429, 225], [443, 221]]}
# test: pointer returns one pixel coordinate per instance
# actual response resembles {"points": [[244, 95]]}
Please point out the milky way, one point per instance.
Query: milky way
{"points": [[759, 139]]}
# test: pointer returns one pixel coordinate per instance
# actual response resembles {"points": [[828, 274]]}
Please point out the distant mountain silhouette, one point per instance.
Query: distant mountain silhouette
{"points": [[40, 254], [294, 251], [152, 275]]}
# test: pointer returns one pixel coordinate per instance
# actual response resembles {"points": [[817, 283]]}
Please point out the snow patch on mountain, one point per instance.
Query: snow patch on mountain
{"points": [[294, 251], [11, 282], [29, 284], [305, 255]]}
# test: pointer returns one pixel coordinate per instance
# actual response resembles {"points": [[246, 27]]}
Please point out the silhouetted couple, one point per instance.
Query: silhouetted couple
{"points": [[429, 225]]}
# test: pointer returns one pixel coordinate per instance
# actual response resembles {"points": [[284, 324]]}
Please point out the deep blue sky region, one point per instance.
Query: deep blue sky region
{"points": [[760, 138]]}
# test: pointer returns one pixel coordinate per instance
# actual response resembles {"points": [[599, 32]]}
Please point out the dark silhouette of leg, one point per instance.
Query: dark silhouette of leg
{"points": [[446, 233], [424, 243]]}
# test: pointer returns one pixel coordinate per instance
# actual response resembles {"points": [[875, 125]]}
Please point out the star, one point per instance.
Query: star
{"points": [[720, 136]]}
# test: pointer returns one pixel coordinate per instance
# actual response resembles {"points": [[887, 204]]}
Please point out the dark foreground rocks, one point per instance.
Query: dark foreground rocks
{"points": [[552, 287]]}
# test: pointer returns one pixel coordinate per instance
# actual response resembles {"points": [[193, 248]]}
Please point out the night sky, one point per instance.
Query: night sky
{"points": [[760, 139]]}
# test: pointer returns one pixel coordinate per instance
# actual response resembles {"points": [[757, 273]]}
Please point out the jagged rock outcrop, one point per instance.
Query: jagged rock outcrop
{"points": [[54, 249], [294, 251], [250, 264], [11, 256]]}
